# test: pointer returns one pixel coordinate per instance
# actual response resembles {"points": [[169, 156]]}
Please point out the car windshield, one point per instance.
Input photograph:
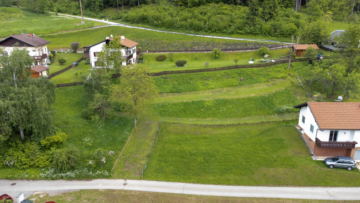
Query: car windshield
{"points": [[335, 159]]}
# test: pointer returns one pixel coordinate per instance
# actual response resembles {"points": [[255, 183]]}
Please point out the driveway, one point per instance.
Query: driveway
{"points": [[59, 186]]}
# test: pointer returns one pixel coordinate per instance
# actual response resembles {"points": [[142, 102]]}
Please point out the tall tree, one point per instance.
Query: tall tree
{"points": [[350, 41], [25, 101], [110, 55], [136, 88], [315, 33]]}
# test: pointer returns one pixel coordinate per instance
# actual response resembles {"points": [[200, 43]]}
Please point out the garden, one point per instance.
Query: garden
{"points": [[271, 154]]}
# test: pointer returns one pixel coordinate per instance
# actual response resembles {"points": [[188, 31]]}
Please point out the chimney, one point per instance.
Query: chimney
{"points": [[122, 37], [107, 37], [31, 34], [111, 36]]}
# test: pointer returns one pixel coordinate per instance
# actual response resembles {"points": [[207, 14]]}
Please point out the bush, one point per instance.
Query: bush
{"points": [[65, 159], [161, 58], [263, 50], [53, 52], [62, 61], [87, 61], [88, 113], [180, 63], [54, 141]]}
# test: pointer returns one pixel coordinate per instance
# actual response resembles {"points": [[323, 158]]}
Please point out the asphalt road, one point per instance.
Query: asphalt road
{"points": [[60, 186]]}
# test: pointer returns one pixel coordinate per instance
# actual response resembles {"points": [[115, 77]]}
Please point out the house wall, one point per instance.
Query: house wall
{"points": [[33, 51], [299, 53], [34, 74], [98, 48], [309, 120]]}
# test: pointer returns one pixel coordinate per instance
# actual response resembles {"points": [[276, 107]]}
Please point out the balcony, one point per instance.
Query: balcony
{"points": [[40, 57], [339, 145]]}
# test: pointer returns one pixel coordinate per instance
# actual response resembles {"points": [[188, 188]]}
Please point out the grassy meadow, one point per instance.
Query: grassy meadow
{"points": [[198, 60], [14, 20], [270, 154], [69, 57], [73, 74]]}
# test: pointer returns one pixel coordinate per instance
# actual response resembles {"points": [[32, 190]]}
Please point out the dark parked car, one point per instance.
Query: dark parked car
{"points": [[6, 199], [75, 64], [340, 162]]}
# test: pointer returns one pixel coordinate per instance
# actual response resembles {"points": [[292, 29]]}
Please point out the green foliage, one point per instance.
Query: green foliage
{"points": [[26, 155], [61, 61], [100, 156], [110, 55], [350, 41], [180, 63], [160, 57], [171, 56], [314, 33], [236, 60], [263, 51], [54, 141], [231, 108], [87, 61], [102, 106], [216, 53], [65, 159], [310, 53], [75, 46]]}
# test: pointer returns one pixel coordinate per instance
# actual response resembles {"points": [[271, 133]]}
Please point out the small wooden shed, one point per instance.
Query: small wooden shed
{"points": [[301, 48], [39, 71]]}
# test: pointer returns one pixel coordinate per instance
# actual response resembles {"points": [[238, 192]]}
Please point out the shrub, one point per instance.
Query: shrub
{"points": [[206, 64], [65, 159], [180, 63], [263, 50], [87, 61], [62, 61], [51, 57], [75, 46], [161, 58], [88, 113], [236, 60], [54, 141], [53, 52]]}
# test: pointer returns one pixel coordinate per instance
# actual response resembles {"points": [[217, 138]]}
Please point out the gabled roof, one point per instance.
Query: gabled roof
{"points": [[335, 115], [336, 33], [30, 39], [304, 46], [94, 44], [39, 68], [128, 43]]}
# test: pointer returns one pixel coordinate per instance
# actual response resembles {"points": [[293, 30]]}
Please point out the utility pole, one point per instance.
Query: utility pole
{"points": [[82, 17]]}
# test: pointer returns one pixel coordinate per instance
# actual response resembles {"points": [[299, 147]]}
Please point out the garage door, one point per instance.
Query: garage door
{"points": [[357, 155]]}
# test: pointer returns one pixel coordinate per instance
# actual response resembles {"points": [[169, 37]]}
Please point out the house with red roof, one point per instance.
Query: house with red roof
{"points": [[331, 128]]}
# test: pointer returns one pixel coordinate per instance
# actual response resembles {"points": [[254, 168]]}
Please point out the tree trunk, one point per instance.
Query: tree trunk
{"points": [[332, 90], [353, 7], [122, 3], [117, 4], [138, 2], [21, 133]]}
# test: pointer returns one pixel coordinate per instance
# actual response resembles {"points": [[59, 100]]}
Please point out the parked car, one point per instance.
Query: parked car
{"points": [[74, 64], [340, 162], [6, 199]]}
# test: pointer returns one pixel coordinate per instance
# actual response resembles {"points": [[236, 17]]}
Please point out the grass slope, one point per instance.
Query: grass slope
{"points": [[88, 37], [69, 57], [119, 196], [13, 20], [70, 75], [198, 60], [278, 102], [264, 154]]}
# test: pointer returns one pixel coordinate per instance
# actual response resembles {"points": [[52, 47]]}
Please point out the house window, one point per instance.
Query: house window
{"points": [[311, 128], [96, 54], [333, 136], [303, 119]]}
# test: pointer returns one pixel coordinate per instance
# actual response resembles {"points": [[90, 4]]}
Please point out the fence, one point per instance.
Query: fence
{"points": [[63, 70], [210, 50], [69, 84], [142, 173], [232, 121]]}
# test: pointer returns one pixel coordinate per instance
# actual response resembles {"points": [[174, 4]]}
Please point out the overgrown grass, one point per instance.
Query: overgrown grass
{"points": [[198, 60], [144, 37], [219, 79], [69, 57], [136, 152], [73, 74], [14, 20], [264, 154], [278, 102], [119, 196]]}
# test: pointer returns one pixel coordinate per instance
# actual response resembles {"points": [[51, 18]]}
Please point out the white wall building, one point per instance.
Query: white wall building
{"points": [[331, 128], [128, 51], [36, 46]]}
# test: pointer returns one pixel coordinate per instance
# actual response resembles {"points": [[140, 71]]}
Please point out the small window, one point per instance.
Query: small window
{"points": [[333, 136], [311, 128], [303, 119]]}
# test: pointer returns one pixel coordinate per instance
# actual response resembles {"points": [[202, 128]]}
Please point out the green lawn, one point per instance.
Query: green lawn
{"points": [[198, 60], [120, 196], [70, 75], [147, 40], [14, 20], [69, 57], [260, 154], [270, 104]]}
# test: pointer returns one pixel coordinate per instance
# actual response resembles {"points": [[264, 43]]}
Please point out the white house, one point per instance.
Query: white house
{"points": [[128, 51], [331, 128], [36, 46]]}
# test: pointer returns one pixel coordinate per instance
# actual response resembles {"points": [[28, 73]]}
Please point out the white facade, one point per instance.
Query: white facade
{"points": [[125, 52], [324, 135], [35, 52]]}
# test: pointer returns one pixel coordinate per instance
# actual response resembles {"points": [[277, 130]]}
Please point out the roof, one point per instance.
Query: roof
{"points": [[39, 68], [336, 33], [335, 115], [29, 39], [304, 46], [128, 43]]}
